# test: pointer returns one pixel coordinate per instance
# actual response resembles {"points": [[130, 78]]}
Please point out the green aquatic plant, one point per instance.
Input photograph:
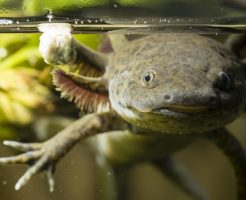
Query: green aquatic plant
{"points": [[20, 94], [24, 78], [25, 81]]}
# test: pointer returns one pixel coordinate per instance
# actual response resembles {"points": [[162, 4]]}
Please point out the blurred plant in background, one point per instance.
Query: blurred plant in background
{"points": [[26, 90], [164, 8], [24, 78], [33, 7]]}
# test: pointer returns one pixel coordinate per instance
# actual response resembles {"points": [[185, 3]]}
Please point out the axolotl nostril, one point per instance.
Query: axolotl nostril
{"points": [[147, 98]]}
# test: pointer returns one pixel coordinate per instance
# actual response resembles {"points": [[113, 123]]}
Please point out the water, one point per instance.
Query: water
{"points": [[126, 16], [119, 16], [137, 25]]}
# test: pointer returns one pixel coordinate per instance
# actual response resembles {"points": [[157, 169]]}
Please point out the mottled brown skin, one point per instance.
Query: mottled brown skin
{"points": [[151, 96], [187, 69]]}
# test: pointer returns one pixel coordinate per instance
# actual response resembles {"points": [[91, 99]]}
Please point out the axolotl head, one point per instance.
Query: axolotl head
{"points": [[176, 83]]}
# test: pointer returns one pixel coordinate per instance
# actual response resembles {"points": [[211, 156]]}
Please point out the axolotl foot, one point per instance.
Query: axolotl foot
{"points": [[39, 156], [44, 156]]}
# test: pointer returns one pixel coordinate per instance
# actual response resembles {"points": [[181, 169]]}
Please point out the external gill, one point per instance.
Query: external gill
{"points": [[89, 94], [81, 83], [237, 44]]}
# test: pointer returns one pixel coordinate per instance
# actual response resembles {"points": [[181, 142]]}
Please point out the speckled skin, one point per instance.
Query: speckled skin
{"points": [[146, 119], [187, 68]]}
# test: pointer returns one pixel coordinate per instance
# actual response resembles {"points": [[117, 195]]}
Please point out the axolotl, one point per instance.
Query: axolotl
{"points": [[146, 99]]}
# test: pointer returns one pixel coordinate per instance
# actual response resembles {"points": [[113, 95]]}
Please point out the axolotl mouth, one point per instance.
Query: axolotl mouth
{"points": [[179, 109], [179, 118]]}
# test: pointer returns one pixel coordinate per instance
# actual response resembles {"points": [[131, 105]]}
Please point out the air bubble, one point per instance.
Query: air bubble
{"points": [[50, 16]]}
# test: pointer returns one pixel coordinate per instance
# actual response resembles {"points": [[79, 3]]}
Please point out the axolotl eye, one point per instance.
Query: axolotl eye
{"points": [[149, 79], [224, 81]]}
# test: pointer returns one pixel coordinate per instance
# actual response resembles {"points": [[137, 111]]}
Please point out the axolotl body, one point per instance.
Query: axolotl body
{"points": [[148, 98]]}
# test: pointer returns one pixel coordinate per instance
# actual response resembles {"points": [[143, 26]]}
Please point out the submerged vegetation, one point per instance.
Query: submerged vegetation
{"points": [[26, 90], [24, 78]]}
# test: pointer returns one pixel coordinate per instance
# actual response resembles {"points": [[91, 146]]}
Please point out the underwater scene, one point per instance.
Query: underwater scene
{"points": [[122, 99]]}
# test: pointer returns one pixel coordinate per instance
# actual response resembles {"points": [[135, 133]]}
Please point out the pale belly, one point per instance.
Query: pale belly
{"points": [[125, 147]]}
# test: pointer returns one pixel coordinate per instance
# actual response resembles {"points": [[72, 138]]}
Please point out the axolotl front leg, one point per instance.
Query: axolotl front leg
{"points": [[44, 156], [58, 48]]}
